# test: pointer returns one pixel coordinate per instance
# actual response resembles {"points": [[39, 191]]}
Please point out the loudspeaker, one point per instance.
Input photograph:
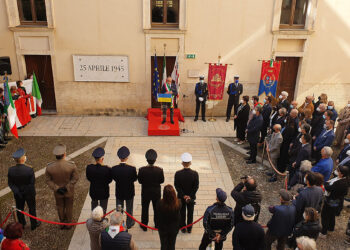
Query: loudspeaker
{"points": [[5, 66]]}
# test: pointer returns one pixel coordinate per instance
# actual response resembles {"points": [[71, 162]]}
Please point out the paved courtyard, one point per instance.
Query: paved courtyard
{"points": [[207, 160], [198, 138], [118, 126]]}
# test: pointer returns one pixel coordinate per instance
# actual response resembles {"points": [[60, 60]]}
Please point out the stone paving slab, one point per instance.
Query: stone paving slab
{"points": [[207, 160], [118, 126]]}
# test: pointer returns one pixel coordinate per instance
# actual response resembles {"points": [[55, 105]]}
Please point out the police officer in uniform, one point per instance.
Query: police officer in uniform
{"points": [[186, 183], [201, 92], [169, 88], [99, 176], [61, 176], [150, 177], [21, 180], [234, 90], [124, 176], [218, 221]]}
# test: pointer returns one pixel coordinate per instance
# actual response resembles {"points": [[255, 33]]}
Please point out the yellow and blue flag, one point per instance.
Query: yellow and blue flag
{"points": [[164, 98]]}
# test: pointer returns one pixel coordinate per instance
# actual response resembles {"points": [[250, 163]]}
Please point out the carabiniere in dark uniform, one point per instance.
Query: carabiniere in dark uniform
{"points": [[21, 180], [234, 91], [201, 92]]}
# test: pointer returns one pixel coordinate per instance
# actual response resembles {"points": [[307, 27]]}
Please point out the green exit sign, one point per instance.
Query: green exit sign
{"points": [[190, 56]]}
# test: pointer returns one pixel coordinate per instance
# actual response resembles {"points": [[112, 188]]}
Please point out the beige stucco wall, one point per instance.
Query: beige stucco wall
{"points": [[328, 55], [7, 44], [239, 31]]}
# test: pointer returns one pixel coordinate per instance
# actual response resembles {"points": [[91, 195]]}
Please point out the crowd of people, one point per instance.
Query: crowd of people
{"points": [[18, 93], [299, 140]]}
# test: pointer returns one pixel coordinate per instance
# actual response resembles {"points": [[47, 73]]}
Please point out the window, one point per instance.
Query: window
{"points": [[32, 12], [5, 66], [293, 14], [165, 13]]}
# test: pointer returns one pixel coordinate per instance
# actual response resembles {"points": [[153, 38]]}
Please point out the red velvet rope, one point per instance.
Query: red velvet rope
{"points": [[58, 223], [133, 218], [7, 217]]}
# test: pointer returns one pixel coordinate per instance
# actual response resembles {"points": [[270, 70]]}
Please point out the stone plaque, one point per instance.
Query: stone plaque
{"points": [[101, 68]]}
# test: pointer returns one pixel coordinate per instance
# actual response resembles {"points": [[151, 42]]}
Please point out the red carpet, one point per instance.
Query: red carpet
{"points": [[155, 126]]}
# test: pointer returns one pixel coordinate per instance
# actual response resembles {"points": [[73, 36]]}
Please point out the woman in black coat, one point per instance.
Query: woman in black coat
{"points": [[309, 227], [168, 218], [336, 189], [241, 119]]}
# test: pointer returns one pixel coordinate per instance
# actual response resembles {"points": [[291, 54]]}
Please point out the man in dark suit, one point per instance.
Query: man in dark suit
{"points": [[124, 176], [282, 222], [303, 154], [246, 193], [21, 180], [342, 155], [317, 121], [169, 88], [186, 182], [253, 131], [234, 90], [266, 112], [279, 117], [99, 176], [289, 133], [201, 92], [326, 138], [283, 102], [150, 177], [311, 196]]}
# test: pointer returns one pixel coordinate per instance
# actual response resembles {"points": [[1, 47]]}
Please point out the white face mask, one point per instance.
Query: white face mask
{"points": [[336, 172], [254, 112], [201, 81], [348, 105], [346, 141], [301, 141], [264, 100], [241, 101], [304, 216], [280, 97], [347, 152], [305, 180], [252, 101], [330, 107], [318, 109], [299, 130]]}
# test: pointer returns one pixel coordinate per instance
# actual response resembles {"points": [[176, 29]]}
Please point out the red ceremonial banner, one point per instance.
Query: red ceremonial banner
{"points": [[270, 71], [216, 81]]}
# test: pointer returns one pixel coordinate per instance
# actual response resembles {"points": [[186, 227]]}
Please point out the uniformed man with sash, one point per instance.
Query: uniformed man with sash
{"points": [[169, 88], [201, 92], [234, 90]]}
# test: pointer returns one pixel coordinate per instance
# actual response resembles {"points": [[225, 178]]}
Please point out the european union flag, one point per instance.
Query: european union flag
{"points": [[155, 83]]}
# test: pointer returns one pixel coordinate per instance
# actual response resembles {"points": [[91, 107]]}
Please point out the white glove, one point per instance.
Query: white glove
{"points": [[200, 99]]}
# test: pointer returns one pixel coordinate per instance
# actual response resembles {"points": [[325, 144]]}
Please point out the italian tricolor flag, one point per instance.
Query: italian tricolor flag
{"points": [[10, 110], [37, 95]]}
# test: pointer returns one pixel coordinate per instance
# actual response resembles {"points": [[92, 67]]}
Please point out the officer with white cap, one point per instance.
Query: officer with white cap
{"points": [[21, 180], [61, 177], [186, 182], [201, 92], [234, 90]]}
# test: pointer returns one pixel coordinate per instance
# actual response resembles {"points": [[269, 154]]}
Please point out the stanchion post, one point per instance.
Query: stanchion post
{"points": [[14, 213], [212, 119]]}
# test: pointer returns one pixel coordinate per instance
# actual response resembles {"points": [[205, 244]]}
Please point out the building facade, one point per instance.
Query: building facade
{"points": [[311, 37]]}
